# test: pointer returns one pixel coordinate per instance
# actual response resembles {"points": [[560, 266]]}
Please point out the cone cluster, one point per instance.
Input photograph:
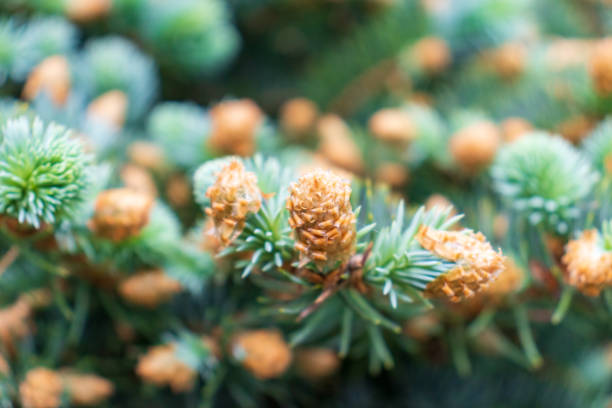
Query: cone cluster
{"points": [[588, 267]]}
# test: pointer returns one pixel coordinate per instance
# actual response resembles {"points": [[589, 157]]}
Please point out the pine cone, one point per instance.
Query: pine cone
{"points": [[147, 155], [86, 389], [109, 108], [317, 363], [161, 366], [41, 388], [474, 146], [139, 179], [149, 289], [515, 128], [393, 126], [121, 213], [232, 197], [509, 60], [337, 145], [83, 11], [588, 267], [477, 264], [298, 116], [234, 124], [432, 55], [393, 174], [51, 75], [262, 352], [322, 219], [601, 66]]}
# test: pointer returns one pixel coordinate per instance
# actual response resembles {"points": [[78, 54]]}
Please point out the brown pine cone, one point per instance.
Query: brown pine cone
{"points": [[234, 195], [41, 388], [51, 75], [262, 352], [234, 125], [149, 288], [86, 389], [109, 108], [588, 267], [298, 116], [474, 146], [121, 213], [161, 366], [322, 218], [393, 126], [477, 264], [83, 11]]}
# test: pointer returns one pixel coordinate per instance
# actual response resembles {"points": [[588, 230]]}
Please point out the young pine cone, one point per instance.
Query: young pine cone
{"points": [[41, 388], [298, 117], [477, 264], [509, 60], [393, 126], [149, 288], [432, 55], [317, 363], [262, 352], [83, 11], [601, 66], [121, 213], [161, 366], [475, 146], [514, 128], [86, 389], [234, 124], [322, 219], [337, 145], [52, 75], [233, 196], [588, 267], [109, 108]]}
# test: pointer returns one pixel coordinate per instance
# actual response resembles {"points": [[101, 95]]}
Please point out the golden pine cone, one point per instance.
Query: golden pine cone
{"points": [[393, 126], [41, 388], [317, 363], [298, 116], [149, 288], [233, 196], [14, 323], [432, 55], [477, 263], [86, 389], [161, 366], [83, 11], [474, 146], [514, 128], [51, 75], [336, 143], [109, 108], [588, 267], [234, 125], [600, 67], [121, 213], [262, 352], [139, 179], [147, 155], [509, 60], [322, 219]]}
